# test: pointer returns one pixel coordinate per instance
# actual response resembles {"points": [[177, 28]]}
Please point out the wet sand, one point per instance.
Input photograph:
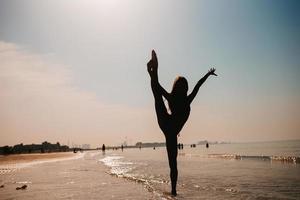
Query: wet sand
{"points": [[82, 178], [19, 158]]}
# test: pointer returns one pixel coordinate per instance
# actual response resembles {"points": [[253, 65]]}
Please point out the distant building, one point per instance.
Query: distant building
{"points": [[138, 144], [86, 146], [150, 144], [124, 144]]}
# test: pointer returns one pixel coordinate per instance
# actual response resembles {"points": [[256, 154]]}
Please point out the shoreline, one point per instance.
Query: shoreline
{"points": [[21, 158], [84, 178]]}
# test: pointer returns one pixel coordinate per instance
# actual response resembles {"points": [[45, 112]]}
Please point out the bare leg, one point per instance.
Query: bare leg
{"points": [[160, 108], [172, 156]]}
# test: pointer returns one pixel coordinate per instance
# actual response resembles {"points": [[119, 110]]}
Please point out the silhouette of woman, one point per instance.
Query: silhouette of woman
{"points": [[179, 105]]}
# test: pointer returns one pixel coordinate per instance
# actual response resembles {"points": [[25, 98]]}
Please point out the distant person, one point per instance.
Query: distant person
{"points": [[207, 145], [179, 104], [103, 147], [122, 147]]}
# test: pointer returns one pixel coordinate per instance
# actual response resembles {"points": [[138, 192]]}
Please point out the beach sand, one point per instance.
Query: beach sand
{"points": [[80, 178], [19, 158]]}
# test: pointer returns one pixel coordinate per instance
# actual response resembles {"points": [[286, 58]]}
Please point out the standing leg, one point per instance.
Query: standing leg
{"points": [[172, 156]]}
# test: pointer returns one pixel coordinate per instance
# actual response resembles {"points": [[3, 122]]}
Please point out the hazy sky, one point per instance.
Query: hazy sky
{"points": [[75, 71]]}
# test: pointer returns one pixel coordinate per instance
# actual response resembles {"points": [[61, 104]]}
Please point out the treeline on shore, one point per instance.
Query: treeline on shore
{"points": [[150, 144], [45, 147]]}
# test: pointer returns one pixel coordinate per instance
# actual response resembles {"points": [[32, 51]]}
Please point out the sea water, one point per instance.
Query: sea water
{"points": [[261, 170]]}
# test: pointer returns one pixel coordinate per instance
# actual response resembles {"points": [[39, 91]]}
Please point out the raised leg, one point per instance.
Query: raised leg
{"points": [[160, 108]]}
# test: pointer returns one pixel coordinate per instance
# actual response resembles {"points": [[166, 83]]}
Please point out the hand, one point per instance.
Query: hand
{"points": [[212, 72], [152, 65]]}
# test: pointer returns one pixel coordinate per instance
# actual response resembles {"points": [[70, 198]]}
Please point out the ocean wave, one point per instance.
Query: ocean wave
{"points": [[123, 169], [117, 165], [283, 159], [292, 159]]}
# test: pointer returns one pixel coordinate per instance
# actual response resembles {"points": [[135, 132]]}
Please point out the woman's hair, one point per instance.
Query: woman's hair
{"points": [[180, 86]]}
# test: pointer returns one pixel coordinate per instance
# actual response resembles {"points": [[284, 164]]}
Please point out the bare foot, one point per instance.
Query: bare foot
{"points": [[152, 65]]}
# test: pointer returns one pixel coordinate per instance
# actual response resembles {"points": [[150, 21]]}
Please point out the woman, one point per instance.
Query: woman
{"points": [[179, 105]]}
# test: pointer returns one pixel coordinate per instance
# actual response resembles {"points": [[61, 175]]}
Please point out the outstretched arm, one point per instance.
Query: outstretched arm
{"points": [[152, 67], [200, 82]]}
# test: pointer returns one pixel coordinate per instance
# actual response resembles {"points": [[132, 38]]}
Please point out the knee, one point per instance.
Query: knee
{"points": [[173, 166], [175, 169]]}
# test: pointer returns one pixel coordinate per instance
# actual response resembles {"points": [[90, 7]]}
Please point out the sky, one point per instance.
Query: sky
{"points": [[74, 71]]}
